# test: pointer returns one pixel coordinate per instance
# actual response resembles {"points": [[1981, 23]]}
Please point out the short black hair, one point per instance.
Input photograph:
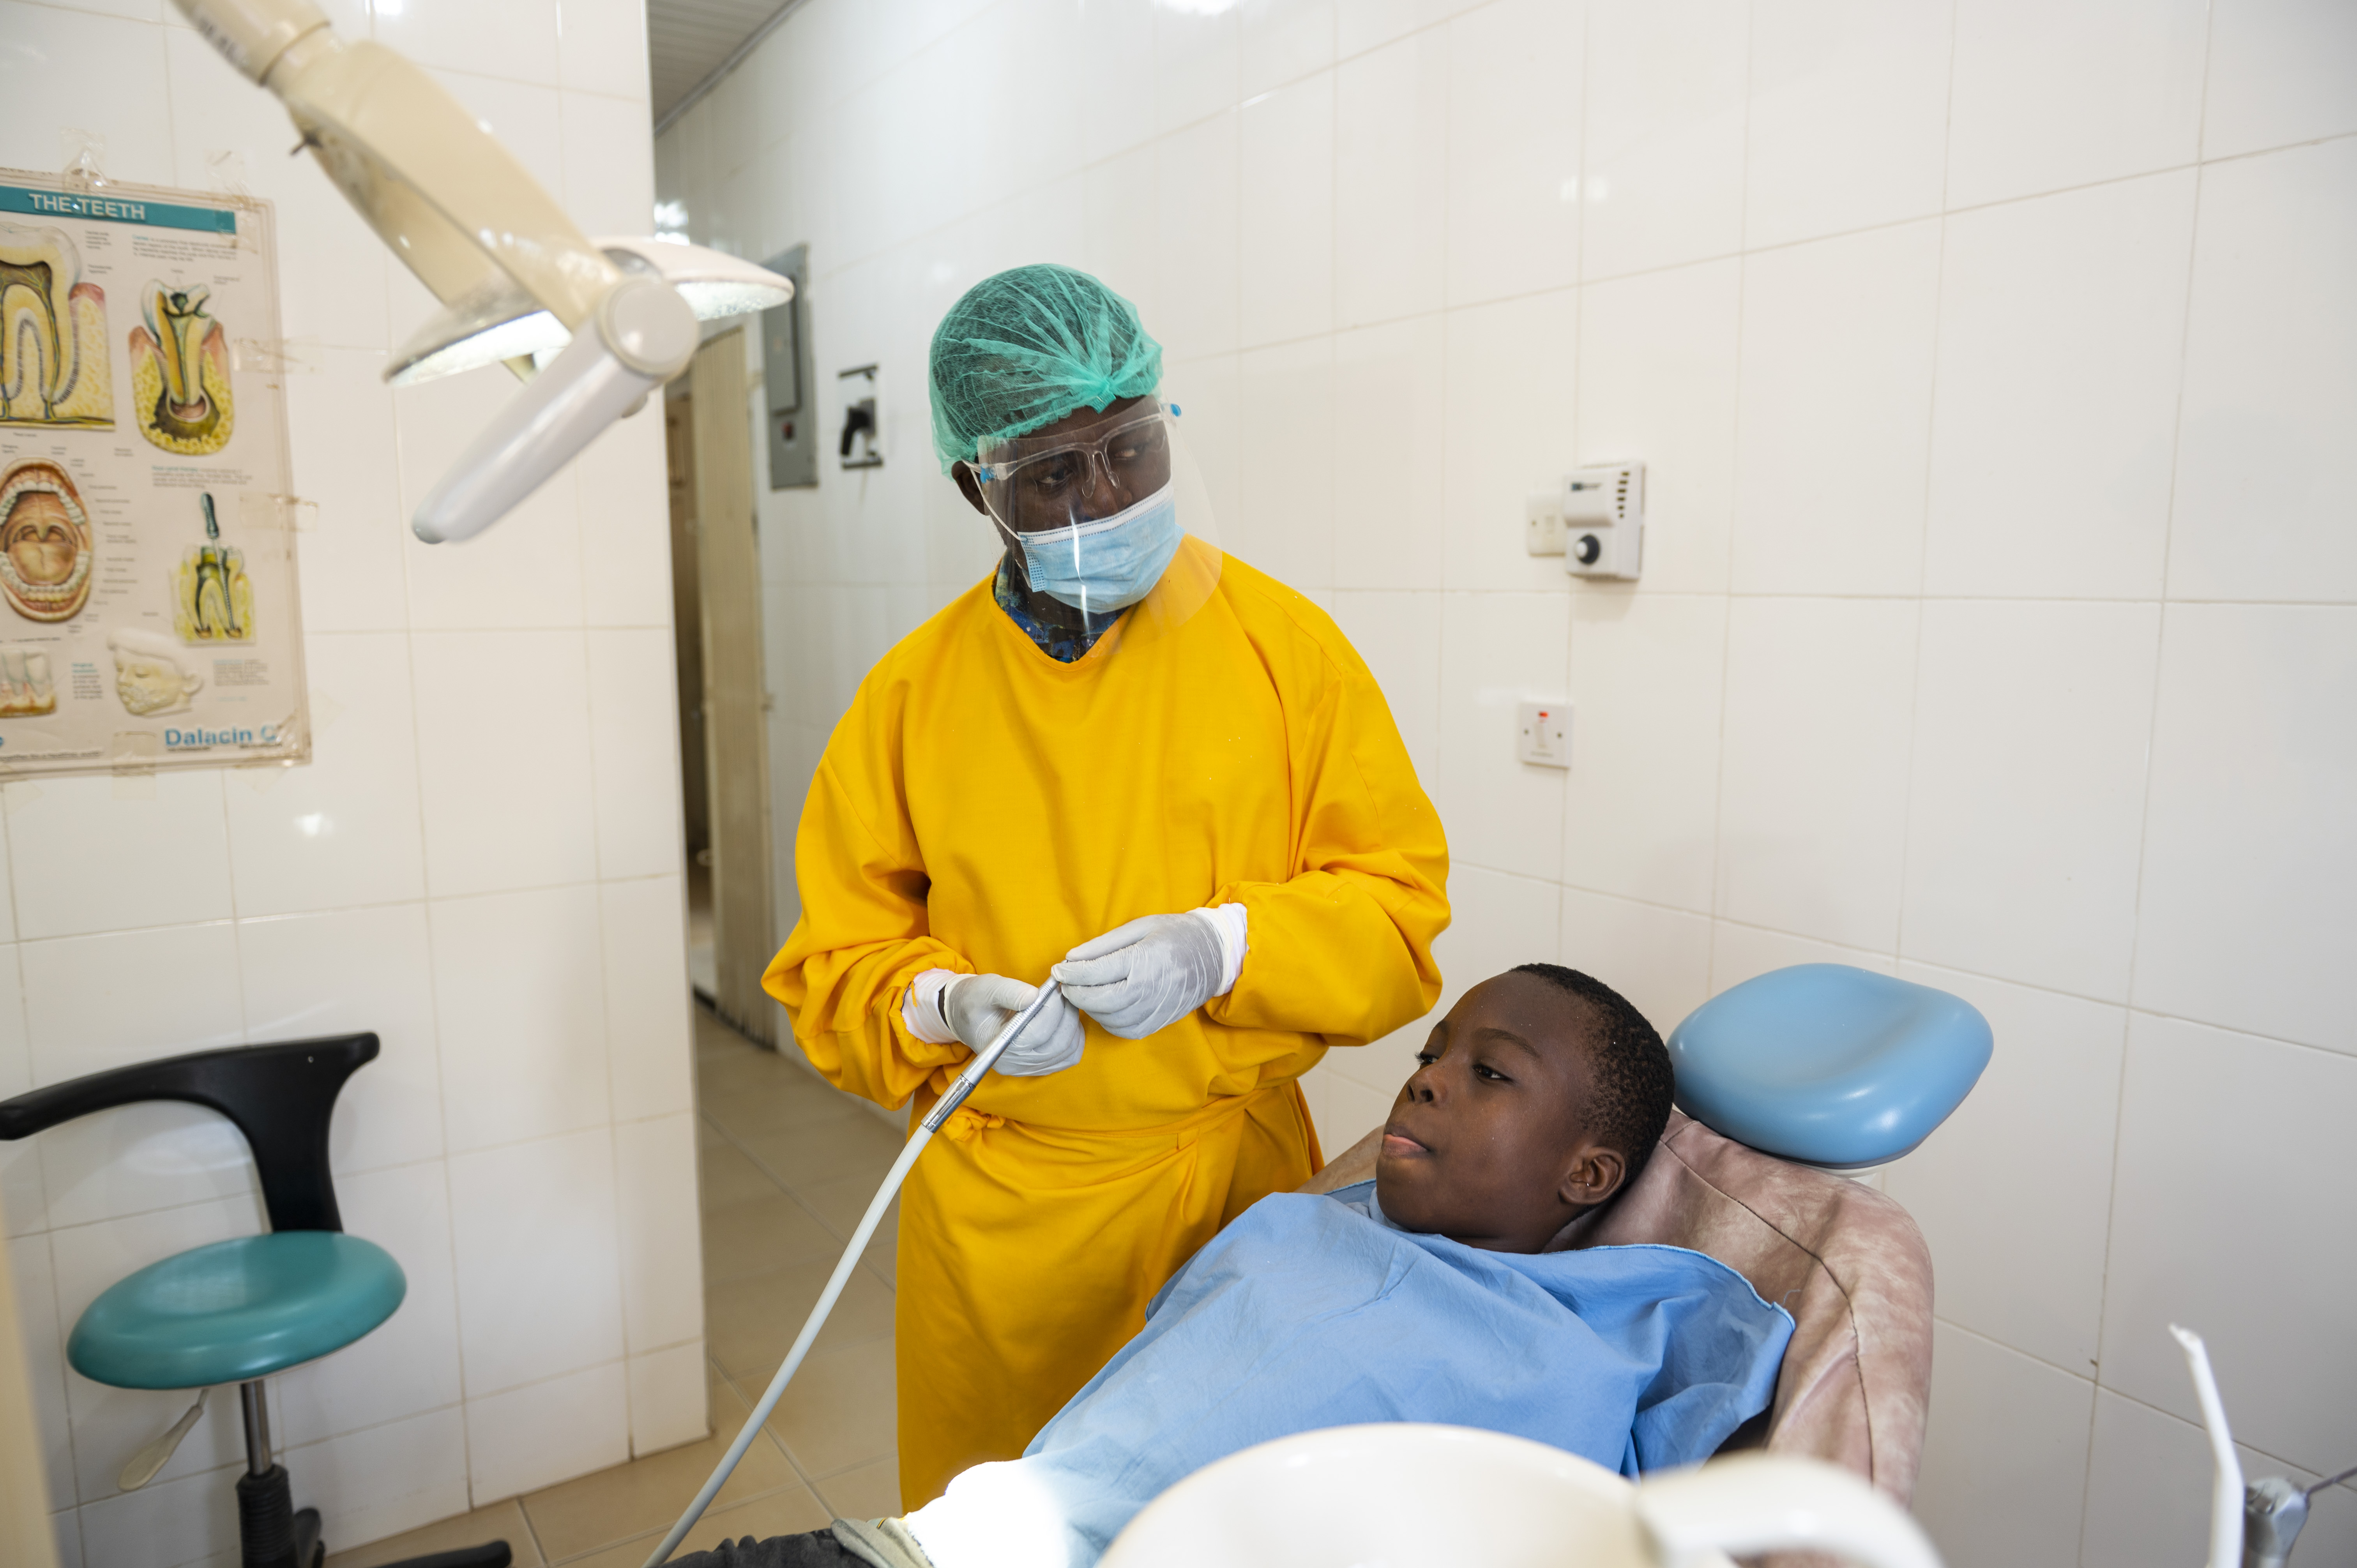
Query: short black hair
{"points": [[1634, 1082]]}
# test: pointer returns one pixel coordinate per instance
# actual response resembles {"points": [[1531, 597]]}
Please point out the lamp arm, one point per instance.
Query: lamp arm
{"points": [[441, 192]]}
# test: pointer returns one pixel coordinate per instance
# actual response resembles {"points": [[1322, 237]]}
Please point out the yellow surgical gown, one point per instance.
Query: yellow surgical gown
{"points": [[983, 807]]}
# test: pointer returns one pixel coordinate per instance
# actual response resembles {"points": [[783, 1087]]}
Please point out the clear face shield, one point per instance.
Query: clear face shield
{"points": [[1110, 514]]}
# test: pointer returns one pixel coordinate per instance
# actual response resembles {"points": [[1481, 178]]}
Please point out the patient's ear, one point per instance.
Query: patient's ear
{"points": [[1596, 1173]]}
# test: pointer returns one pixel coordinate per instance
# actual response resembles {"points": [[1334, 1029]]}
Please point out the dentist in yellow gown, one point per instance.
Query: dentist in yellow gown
{"points": [[1140, 764]]}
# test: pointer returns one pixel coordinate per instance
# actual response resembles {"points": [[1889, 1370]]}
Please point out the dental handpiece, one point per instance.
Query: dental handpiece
{"points": [[961, 1086]]}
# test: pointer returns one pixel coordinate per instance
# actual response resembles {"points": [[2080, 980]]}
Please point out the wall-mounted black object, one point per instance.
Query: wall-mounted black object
{"points": [[863, 422], [787, 375]]}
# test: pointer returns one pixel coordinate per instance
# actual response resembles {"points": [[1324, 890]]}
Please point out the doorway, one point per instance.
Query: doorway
{"points": [[723, 702]]}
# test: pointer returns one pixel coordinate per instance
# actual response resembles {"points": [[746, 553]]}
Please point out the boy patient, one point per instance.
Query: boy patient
{"points": [[1442, 1291]]}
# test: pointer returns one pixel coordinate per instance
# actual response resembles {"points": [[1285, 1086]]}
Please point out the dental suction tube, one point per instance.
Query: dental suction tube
{"points": [[942, 1109]]}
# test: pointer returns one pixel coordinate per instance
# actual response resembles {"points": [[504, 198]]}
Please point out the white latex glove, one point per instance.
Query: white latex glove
{"points": [[1145, 975], [977, 1006]]}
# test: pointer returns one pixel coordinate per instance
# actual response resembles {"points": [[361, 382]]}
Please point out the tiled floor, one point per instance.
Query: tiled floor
{"points": [[788, 1165]]}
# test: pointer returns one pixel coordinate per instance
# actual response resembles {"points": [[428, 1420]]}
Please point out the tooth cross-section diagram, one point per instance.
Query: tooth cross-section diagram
{"points": [[45, 551], [53, 366], [179, 372]]}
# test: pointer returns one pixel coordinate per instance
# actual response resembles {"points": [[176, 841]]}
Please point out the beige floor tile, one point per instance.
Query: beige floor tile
{"points": [[501, 1521], [855, 1145], [867, 1491], [841, 1410], [726, 1176], [788, 1513], [644, 1494], [760, 1236], [773, 1101], [750, 1325]]}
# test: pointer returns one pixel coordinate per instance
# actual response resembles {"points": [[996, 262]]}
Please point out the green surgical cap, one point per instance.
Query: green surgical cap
{"points": [[1028, 346]]}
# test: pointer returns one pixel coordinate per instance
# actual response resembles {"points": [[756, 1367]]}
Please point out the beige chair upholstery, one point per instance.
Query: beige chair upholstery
{"points": [[1847, 1263]]}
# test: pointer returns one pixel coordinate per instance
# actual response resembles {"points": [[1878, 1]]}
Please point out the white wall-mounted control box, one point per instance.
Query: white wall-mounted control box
{"points": [[1543, 733], [1595, 520]]}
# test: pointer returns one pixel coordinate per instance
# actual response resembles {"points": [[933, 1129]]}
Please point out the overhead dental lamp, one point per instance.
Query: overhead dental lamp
{"points": [[593, 328]]}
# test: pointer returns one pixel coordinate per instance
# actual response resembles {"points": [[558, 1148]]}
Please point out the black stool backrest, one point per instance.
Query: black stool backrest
{"points": [[279, 1096]]}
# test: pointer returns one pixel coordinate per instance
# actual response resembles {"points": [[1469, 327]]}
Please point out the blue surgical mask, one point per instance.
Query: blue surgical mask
{"points": [[1107, 564]]}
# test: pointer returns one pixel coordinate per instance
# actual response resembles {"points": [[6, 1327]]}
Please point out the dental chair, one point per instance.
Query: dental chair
{"points": [[237, 1311], [1784, 1081]]}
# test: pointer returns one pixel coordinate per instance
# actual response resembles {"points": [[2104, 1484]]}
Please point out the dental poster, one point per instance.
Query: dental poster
{"points": [[147, 589]]}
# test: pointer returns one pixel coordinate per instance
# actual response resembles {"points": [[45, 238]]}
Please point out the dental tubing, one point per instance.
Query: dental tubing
{"points": [[940, 1113]]}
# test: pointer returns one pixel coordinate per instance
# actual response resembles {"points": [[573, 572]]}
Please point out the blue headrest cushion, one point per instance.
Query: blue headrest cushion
{"points": [[1828, 1065]]}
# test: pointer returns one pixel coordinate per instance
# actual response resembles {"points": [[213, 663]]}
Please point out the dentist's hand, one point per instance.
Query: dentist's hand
{"points": [[1145, 975], [977, 1006]]}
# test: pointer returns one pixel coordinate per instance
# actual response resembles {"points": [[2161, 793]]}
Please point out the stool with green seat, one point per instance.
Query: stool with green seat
{"points": [[237, 1311]]}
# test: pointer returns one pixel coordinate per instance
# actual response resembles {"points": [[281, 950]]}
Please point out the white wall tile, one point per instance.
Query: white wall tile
{"points": [[2027, 790], [645, 931], [670, 1395], [2148, 1491], [2278, 73], [340, 424], [662, 1260], [1658, 958], [609, 185], [1398, 634], [516, 37], [53, 93], [86, 857], [167, 1524], [1390, 180], [1739, 952], [625, 523], [533, 1230], [1284, 40], [2017, 1183], [34, 1278], [1835, 414], [2055, 410], [409, 1364], [520, 1002], [2047, 96], [1197, 64], [385, 1480], [1664, 133], [1812, 774], [1506, 430], [602, 48], [1514, 73], [2189, 1234], [1363, 25], [1849, 123], [345, 829], [1286, 212], [1497, 652], [1388, 495], [2270, 336], [545, 1432], [306, 976], [2005, 1456], [1118, 215], [633, 716], [83, 1018], [1657, 385], [1196, 194], [1642, 807], [503, 746], [1117, 56], [1284, 520], [2250, 856]]}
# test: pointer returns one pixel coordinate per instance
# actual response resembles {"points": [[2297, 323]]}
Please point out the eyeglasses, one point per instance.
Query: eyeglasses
{"points": [[1041, 482]]}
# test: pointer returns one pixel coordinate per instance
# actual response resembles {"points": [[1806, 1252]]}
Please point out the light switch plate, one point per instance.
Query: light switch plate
{"points": [[1543, 733]]}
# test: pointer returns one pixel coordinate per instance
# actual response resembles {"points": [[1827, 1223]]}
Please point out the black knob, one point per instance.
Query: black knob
{"points": [[1588, 549]]}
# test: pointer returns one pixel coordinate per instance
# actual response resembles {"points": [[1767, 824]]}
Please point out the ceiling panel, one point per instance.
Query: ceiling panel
{"points": [[688, 39]]}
